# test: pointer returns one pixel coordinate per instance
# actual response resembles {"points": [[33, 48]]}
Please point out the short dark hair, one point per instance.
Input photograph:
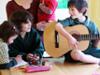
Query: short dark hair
{"points": [[19, 17], [79, 4], [7, 30]]}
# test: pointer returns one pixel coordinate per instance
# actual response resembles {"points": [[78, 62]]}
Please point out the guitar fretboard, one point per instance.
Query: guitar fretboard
{"points": [[89, 37]]}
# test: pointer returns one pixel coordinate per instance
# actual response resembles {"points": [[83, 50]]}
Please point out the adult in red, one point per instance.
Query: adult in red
{"points": [[46, 10], [29, 5], [46, 13]]}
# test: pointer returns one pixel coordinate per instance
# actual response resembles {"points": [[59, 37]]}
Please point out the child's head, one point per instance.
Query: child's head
{"points": [[77, 6], [22, 20], [8, 32]]}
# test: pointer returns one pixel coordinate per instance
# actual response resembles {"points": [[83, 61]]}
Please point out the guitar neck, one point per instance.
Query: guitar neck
{"points": [[89, 37]]}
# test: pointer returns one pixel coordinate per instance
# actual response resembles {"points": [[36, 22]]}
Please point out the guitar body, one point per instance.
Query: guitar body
{"points": [[63, 45]]}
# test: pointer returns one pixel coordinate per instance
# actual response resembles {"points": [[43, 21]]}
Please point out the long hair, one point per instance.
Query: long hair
{"points": [[7, 30]]}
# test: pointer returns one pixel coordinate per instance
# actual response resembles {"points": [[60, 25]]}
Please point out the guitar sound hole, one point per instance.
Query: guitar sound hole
{"points": [[76, 36]]}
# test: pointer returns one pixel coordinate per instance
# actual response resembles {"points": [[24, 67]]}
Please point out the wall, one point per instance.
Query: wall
{"points": [[94, 12], [3, 10]]}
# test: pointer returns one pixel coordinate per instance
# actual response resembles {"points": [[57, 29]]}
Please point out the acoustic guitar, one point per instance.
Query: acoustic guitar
{"points": [[56, 45]]}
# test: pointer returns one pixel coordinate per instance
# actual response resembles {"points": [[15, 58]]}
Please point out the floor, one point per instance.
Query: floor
{"points": [[58, 67]]}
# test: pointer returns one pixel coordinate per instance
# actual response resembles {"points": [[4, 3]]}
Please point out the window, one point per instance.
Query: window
{"points": [[62, 3], [62, 10]]}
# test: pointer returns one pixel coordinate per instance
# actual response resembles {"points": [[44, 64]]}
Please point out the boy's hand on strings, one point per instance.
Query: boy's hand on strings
{"points": [[73, 43]]}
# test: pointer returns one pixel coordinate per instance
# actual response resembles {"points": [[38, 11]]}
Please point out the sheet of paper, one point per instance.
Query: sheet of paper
{"points": [[21, 63], [46, 54]]}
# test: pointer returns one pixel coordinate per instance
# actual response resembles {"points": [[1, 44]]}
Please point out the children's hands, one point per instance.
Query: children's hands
{"points": [[73, 43], [33, 58]]}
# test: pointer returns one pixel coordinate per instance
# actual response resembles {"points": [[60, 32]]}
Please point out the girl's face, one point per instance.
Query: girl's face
{"points": [[74, 12], [11, 39], [26, 27]]}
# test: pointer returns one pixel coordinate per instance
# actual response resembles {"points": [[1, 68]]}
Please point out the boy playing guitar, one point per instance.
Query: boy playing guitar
{"points": [[91, 54]]}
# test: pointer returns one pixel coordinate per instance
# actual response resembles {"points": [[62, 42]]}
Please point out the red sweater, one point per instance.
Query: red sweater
{"points": [[52, 5]]}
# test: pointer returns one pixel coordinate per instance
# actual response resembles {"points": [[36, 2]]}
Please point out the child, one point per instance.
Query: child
{"points": [[77, 10], [28, 43], [7, 35]]}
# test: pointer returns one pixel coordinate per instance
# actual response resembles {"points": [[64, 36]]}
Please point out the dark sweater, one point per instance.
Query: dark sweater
{"points": [[30, 44]]}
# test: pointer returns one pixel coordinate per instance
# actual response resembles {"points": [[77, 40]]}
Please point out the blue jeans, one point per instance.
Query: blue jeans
{"points": [[93, 51]]}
